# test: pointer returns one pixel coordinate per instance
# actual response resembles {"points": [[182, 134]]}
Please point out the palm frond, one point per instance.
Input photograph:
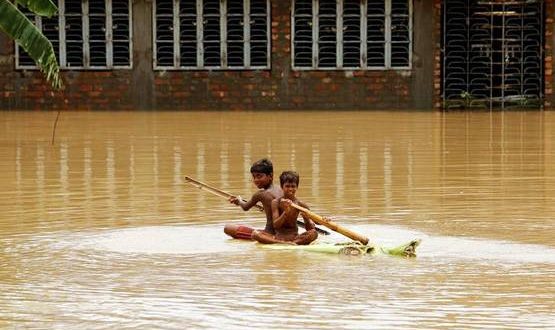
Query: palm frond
{"points": [[31, 39]]}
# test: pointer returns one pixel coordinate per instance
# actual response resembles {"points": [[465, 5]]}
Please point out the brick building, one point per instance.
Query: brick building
{"points": [[290, 54]]}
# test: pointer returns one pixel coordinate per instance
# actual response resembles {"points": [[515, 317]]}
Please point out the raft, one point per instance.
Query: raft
{"points": [[407, 250]]}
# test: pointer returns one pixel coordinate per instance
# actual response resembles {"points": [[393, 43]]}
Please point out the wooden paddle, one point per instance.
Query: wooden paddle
{"points": [[216, 191], [331, 225], [221, 193]]}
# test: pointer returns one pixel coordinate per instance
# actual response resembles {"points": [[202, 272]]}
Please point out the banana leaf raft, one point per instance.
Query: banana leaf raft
{"points": [[407, 250]]}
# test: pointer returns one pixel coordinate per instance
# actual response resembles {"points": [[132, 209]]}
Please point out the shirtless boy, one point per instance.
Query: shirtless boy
{"points": [[284, 216], [263, 174]]}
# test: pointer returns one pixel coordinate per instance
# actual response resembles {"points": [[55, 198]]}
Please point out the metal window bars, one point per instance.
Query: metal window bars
{"points": [[211, 34], [492, 54], [88, 34], [351, 34]]}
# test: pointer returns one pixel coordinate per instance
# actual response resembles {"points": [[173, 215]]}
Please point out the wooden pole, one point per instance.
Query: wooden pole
{"points": [[215, 191], [331, 225]]}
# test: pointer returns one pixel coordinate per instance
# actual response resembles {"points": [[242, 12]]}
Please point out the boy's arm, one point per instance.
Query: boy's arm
{"points": [[278, 219], [245, 205], [308, 223]]}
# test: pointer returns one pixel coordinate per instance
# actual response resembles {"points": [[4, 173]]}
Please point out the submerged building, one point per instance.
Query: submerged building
{"points": [[289, 54]]}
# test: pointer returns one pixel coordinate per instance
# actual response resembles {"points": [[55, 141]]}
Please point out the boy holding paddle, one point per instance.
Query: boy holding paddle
{"points": [[262, 174], [284, 216]]}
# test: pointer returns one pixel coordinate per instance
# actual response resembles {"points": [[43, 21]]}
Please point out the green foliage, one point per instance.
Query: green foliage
{"points": [[40, 7], [18, 27], [407, 250]]}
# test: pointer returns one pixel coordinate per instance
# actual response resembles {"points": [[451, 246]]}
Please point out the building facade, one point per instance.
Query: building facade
{"points": [[292, 54]]}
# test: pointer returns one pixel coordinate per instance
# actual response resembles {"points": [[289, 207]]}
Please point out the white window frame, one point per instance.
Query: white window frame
{"points": [[339, 39], [223, 39], [62, 60]]}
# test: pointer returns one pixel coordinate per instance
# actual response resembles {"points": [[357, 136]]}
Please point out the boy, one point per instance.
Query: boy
{"points": [[285, 217], [263, 174]]}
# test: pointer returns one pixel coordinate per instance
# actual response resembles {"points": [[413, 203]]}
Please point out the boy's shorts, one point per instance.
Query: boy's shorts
{"points": [[244, 232]]}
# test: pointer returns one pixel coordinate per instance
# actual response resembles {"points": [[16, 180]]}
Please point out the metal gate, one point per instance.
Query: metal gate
{"points": [[492, 54]]}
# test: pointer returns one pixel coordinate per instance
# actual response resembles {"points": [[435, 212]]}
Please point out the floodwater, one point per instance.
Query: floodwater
{"points": [[100, 230]]}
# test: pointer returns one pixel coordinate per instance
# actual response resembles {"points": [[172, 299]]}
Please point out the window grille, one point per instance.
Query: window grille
{"points": [[211, 34], [493, 54], [88, 34], [351, 34]]}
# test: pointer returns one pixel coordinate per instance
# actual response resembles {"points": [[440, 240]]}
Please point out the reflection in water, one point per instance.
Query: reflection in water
{"points": [[64, 176], [87, 181], [156, 174], [177, 182], [39, 161], [315, 170], [339, 164], [132, 179], [224, 165], [18, 178], [247, 163], [292, 156], [445, 162], [269, 149], [387, 178], [363, 176], [111, 176], [410, 165], [200, 171], [100, 229]]}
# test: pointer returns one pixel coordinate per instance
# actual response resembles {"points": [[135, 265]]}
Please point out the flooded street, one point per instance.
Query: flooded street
{"points": [[100, 230]]}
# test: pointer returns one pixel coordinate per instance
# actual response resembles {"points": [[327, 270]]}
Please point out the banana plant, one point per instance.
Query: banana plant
{"points": [[19, 28]]}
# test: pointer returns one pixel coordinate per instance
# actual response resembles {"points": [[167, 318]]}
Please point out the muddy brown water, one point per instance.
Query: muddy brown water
{"points": [[101, 231]]}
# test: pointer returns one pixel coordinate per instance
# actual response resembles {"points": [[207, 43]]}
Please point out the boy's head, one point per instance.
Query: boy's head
{"points": [[262, 173], [263, 166], [289, 177]]}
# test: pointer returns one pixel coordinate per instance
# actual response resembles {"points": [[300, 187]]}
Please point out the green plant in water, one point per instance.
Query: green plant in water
{"points": [[467, 97]]}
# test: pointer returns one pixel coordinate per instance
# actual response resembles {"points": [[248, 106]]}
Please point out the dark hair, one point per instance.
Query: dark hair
{"points": [[263, 166], [289, 177]]}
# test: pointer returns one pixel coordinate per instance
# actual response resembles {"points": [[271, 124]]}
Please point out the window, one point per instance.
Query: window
{"points": [[351, 34], [88, 34], [211, 34]]}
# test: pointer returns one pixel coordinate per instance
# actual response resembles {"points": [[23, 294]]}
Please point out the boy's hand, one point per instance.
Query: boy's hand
{"points": [[286, 205], [235, 200]]}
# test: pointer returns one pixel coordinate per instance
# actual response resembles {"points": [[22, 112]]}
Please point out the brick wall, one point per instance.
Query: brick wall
{"points": [[28, 90], [548, 59], [278, 88]]}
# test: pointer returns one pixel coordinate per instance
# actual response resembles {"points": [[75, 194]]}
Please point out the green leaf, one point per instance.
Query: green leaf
{"points": [[18, 27], [39, 7]]}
